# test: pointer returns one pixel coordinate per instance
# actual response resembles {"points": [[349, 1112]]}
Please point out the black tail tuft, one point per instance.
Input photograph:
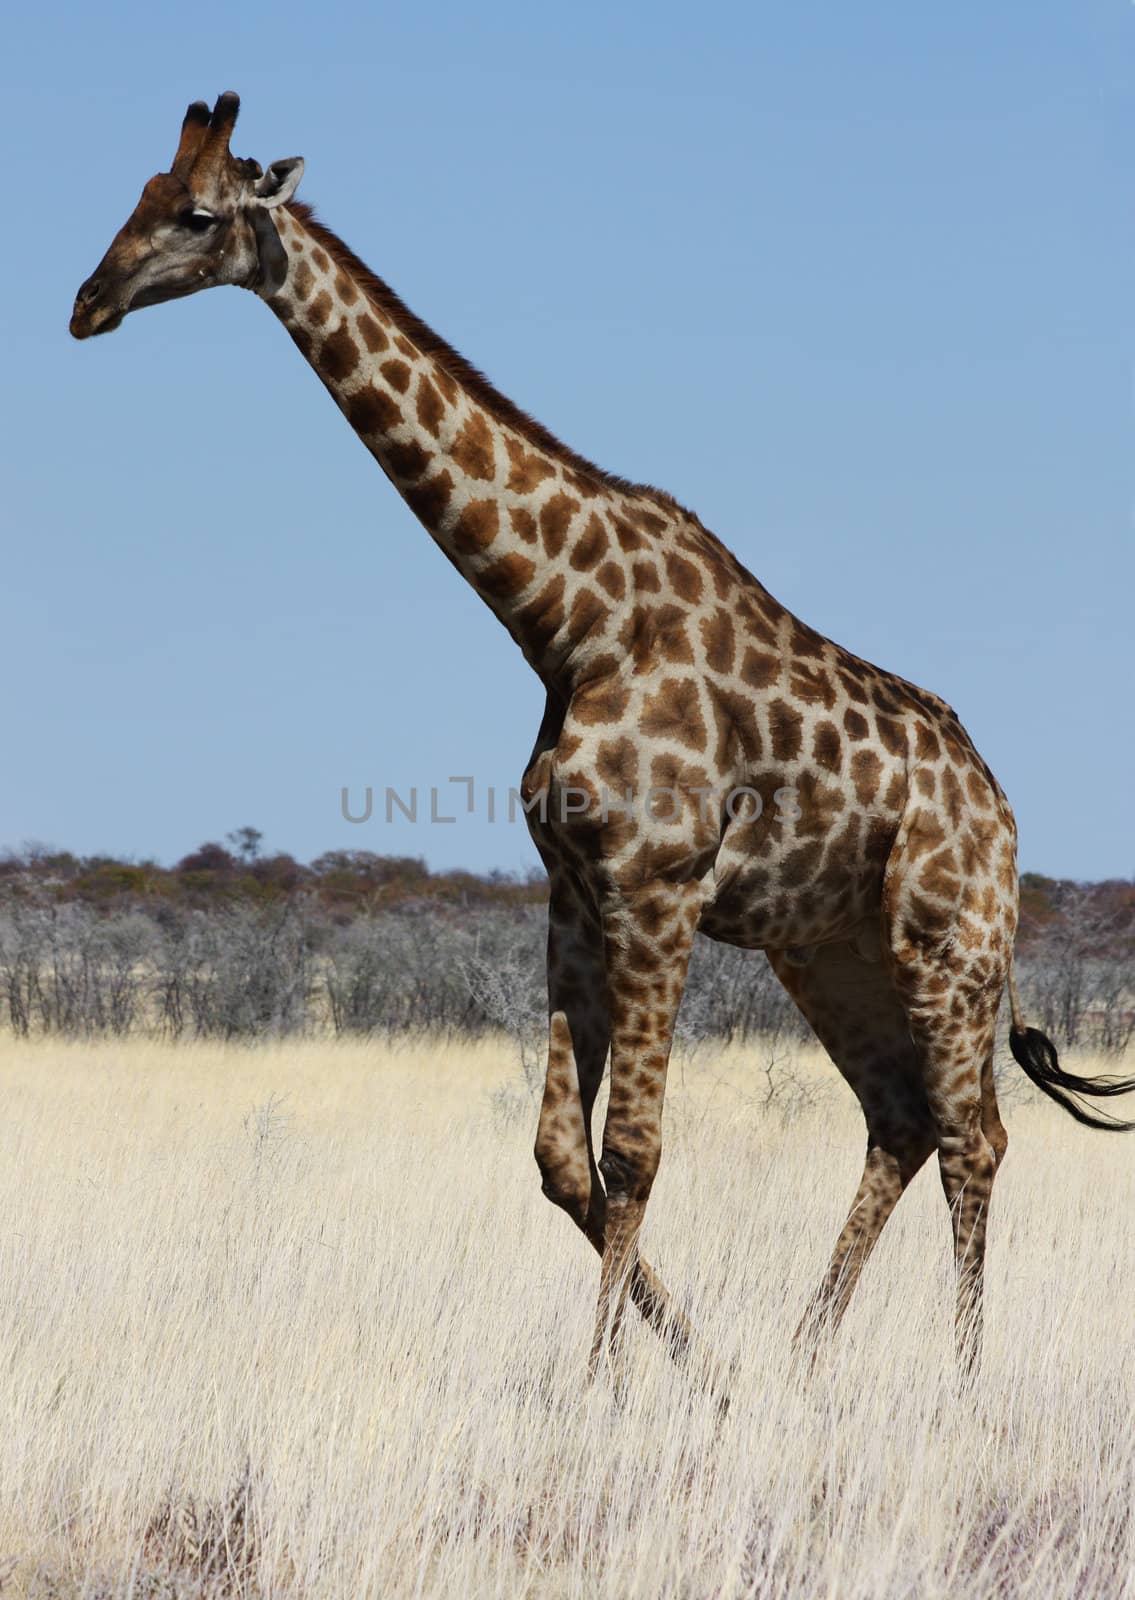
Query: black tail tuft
{"points": [[1036, 1054]]}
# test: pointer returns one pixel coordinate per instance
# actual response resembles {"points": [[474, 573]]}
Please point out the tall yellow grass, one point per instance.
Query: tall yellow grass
{"points": [[296, 1321]]}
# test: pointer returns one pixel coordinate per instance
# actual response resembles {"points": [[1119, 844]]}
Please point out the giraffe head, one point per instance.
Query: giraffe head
{"points": [[206, 221]]}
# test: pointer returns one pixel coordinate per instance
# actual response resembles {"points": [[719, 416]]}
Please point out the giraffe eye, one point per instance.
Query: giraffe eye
{"points": [[197, 221]]}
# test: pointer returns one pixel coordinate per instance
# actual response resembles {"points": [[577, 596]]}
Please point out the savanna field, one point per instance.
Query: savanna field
{"points": [[294, 1320]]}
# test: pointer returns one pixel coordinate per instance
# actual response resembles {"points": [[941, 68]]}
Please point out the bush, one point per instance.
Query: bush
{"points": [[66, 970], [361, 953], [233, 973]]}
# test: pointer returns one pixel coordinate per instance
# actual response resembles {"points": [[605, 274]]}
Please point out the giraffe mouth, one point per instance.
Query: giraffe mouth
{"points": [[89, 320], [85, 324]]}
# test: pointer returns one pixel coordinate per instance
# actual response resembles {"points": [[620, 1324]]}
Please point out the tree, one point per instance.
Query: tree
{"points": [[246, 842]]}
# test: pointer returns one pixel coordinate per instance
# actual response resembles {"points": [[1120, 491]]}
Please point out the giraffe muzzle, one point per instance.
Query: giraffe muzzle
{"points": [[92, 313]]}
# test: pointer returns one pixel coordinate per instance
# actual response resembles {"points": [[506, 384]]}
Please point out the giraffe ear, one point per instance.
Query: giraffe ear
{"points": [[280, 182]]}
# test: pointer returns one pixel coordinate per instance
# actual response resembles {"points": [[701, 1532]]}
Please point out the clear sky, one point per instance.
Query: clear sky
{"points": [[853, 281]]}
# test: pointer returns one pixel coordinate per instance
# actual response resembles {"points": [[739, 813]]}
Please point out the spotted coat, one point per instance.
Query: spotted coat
{"points": [[706, 760]]}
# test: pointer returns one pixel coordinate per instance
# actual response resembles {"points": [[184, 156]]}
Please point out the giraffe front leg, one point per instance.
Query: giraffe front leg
{"points": [[648, 938], [578, 1042], [620, 1257], [656, 1306]]}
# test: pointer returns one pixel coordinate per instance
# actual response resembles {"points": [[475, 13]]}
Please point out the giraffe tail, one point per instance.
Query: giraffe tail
{"points": [[1035, 1053]]}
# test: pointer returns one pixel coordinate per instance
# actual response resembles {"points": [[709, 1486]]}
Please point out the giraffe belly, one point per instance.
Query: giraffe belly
{"points": [[746, 912], [793, 885]]}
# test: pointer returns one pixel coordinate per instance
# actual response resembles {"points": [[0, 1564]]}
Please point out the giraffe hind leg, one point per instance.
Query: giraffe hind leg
{"points": [[991, 1124], [894, 1156], [958, 1075], [951, 992], [858, 1017]]}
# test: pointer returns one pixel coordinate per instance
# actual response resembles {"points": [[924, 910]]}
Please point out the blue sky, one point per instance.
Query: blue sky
{"points": [[851, 281]]}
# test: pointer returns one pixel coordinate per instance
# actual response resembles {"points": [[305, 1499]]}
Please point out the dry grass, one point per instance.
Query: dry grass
{"points": [[296, 1321]]}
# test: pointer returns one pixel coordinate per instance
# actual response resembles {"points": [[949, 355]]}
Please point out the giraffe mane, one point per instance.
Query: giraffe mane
{"points": [[463, 372]]}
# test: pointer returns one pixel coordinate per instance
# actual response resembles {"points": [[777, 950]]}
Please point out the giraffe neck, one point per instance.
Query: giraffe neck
{"points": [[545, 539]]}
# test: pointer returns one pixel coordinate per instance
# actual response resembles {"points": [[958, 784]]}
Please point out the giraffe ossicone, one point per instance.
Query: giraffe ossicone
{"points": [[885, 897]]}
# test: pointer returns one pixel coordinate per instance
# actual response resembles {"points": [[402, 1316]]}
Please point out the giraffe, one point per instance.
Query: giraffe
{"points": [[706, 761]]}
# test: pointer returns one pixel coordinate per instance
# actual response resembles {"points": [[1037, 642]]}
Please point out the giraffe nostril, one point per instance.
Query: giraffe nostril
{"points": [[90, 291]]}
